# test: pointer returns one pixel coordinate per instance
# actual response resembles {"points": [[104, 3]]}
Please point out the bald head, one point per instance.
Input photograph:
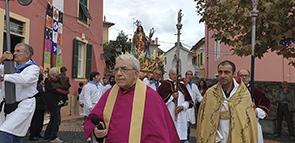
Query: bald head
{"points": [[173, 74]]}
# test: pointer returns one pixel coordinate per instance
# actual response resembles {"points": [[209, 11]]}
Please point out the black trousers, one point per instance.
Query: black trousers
{"points": [[53, 125], [284, 111], [37, 123]]}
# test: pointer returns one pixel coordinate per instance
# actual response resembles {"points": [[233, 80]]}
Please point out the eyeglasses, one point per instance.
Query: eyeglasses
{"points": [[244, 76], [122, 69]]}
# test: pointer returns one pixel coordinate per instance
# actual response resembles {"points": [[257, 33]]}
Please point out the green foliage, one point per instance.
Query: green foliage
{"points": [[109, 50], [231, 22]]}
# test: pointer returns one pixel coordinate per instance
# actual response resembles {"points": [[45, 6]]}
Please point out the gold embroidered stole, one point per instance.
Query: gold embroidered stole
{"points": [[137, 110], [241, 114]]}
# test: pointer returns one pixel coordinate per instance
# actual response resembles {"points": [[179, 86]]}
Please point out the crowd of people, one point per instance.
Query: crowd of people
{"points": [[133, 107], [227, 112]]}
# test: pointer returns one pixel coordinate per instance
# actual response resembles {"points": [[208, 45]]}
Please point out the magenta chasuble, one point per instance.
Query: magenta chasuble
{"points": [[156, 126]]}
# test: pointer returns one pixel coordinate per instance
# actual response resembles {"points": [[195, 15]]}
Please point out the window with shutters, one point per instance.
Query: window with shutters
{"points": [[84, 13], [82, 59]]}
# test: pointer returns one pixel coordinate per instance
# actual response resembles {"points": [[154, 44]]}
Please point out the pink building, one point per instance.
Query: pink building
{"points": [[79, 43], [271, 67]]}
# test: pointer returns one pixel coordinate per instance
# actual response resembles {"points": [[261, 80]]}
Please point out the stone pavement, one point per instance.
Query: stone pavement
{"points": [[71, 131]]}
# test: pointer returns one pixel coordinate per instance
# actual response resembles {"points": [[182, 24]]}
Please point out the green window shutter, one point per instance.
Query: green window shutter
{"points": [[88, 60], [75, 58], [85, 10]]}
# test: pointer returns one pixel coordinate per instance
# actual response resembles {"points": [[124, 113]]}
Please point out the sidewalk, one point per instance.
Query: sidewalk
{"points": [[71, 131], [68, 127], [266, 138]]}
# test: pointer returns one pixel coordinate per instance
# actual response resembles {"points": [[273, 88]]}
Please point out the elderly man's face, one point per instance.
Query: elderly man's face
{"points": [[125, 75], [157, 74], [245, 76], [173, 74], [20, 56]]}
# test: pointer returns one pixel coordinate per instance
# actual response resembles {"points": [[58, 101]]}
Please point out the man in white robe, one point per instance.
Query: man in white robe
{"points": [[177, 103], [91, 93], [154, 82], [15, 124], [196, 97]]}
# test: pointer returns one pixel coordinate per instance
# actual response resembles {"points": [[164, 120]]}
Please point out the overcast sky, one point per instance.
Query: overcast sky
{"points": [[160, 14]]}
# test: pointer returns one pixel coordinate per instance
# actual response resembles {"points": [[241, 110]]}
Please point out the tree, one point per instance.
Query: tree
{"points": [[231, 22], [109, 50]]}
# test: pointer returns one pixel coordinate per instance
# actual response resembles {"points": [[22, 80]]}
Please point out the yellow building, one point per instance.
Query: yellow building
{"points": [[199, 56], [106, 26]]}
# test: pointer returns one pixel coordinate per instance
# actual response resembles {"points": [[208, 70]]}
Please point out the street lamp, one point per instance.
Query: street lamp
{"points": [[9, 64], [254, 14], [24, 2]]}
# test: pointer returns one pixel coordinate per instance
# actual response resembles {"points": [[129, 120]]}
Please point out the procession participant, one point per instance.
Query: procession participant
{"points": [[261, 101], [177, 102], [16, 120], [226, 113], [196, 97], [131, 111], [154, 82]]}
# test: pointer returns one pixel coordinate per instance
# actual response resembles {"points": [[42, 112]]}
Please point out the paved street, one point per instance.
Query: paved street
{"points": [[71, 131]]}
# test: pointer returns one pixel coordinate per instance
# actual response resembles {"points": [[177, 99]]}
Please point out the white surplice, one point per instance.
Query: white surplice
{"points": [[19, 121], [181, 123]]}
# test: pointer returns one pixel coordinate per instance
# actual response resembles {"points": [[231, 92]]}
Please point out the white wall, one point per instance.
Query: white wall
{"points": [[185, 62]]}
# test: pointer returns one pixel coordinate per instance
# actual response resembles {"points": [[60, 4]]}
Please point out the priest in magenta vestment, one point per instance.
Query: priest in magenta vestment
{"points": [[131, 111]]}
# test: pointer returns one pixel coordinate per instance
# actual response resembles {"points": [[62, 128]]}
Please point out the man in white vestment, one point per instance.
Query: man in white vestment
{"points": [[154, 82], [196, 97], [91, 93], [177, 103], [15, 120]]}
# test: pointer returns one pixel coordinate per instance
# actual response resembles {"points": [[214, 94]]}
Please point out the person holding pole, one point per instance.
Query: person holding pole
{"points": [[16, 118], [177, 102]]}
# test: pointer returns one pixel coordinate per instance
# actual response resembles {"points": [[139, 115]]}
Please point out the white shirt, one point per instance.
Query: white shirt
{"points": [[19, 121], [148, 83], [196, 97], [181, 123], [105, 88], [25, 82], [90, 96], [223, 128]]}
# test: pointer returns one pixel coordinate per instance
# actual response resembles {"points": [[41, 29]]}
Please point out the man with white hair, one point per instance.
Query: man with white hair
{"points": [[131, 111], [51, 100], [154, 81], [16, 120]]}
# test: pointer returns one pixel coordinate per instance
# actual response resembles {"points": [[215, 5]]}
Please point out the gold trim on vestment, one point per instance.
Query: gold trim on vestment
{"points": [[137, 110]]}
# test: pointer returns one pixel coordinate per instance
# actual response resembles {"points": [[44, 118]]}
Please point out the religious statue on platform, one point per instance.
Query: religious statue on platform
{"points": [[140, 41], [149, 60]]}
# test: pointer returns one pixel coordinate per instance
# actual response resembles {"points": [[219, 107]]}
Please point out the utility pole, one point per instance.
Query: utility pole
{"points": [[178, 26], [254, 14], [9, 64]]}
